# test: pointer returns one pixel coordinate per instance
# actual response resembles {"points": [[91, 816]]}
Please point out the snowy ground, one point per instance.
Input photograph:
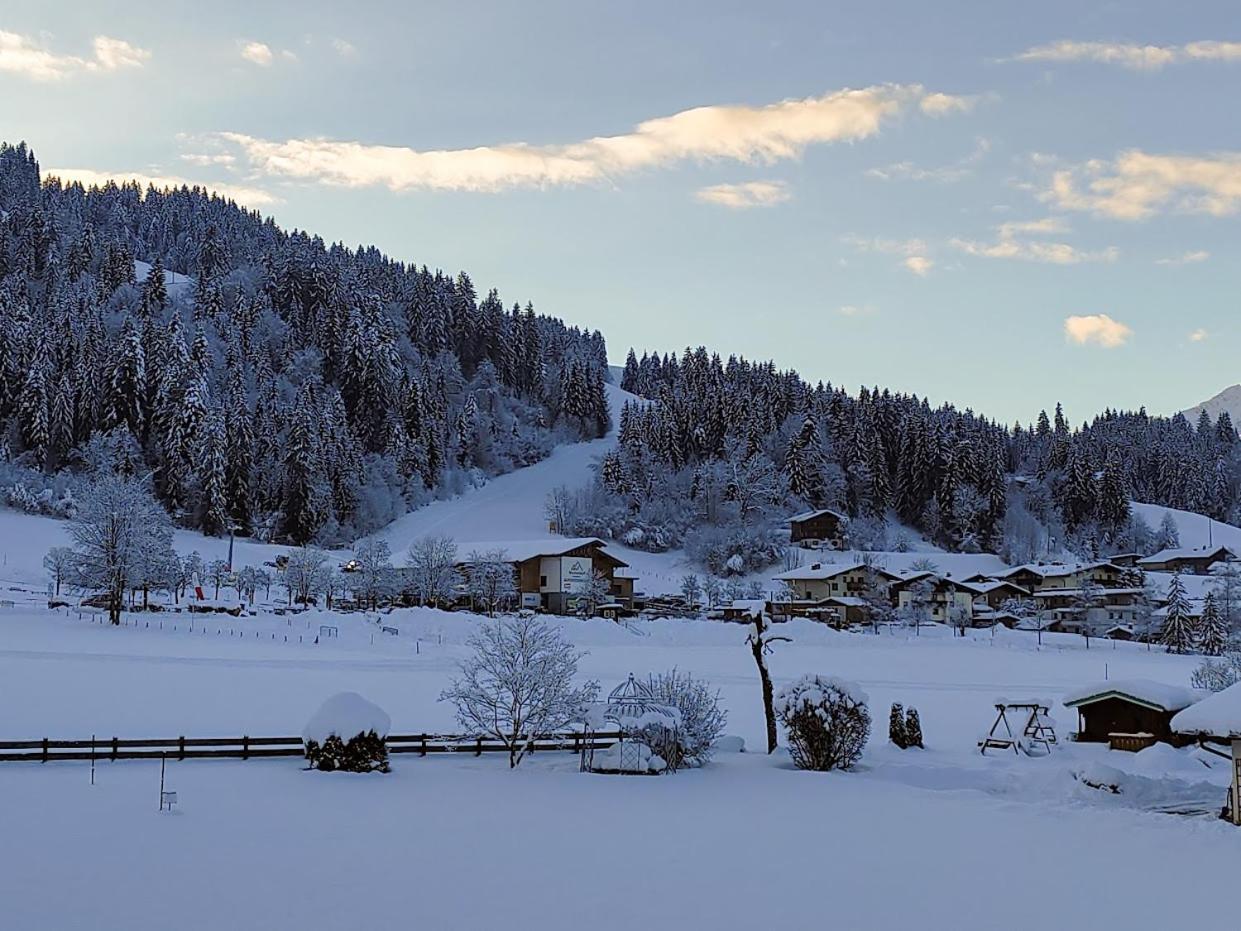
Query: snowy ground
{"points": [[941, 838]]}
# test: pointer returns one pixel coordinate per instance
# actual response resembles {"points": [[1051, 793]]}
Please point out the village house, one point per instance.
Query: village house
{"points": [[821, 580], [1107, 611], [820, 528], [1198, 561], [553, 574], [1130, 714], [1037, 577]]}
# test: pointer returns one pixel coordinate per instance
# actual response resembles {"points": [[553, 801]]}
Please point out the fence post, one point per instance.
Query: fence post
{"points": [[245, 747], [181, 747], [479, 750], [424, 745], [44, 750], [114, 748]]}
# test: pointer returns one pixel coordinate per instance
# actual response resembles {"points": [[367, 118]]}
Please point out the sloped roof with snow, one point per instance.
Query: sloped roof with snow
{"points": [[1158, 696], [819, 571], [811, 515], [1053, 570], [521, 550], [1218, 715], [1184, 552]]}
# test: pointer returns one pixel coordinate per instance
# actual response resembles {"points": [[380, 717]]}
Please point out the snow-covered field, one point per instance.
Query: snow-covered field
{"points": [[941, 838]]}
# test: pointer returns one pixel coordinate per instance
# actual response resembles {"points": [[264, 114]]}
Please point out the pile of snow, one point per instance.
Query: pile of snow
{"points": [[1216, 716], [1100, 781], [628, 757], [1159, 695], [346, 715]]}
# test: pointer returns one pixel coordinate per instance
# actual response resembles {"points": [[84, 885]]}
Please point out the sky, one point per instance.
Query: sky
{"points": [[998, 205]]}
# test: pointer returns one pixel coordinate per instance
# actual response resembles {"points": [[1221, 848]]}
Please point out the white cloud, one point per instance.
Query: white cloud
{"points": [[1130, 55], [1014, 242], [920, 265], [344, 48], [258, 53], [22, 56], [209, 158], [887, 246], [1199, 335], [943, 104], [745, 195], [944, 174], [1185, 258], [855, 310], [247, 196], [746, 134], [1136, 185], [1099, 329]]}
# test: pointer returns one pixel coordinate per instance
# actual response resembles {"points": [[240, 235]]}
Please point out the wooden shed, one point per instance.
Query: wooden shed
{"points": [[1129, 714], [821, 527]]}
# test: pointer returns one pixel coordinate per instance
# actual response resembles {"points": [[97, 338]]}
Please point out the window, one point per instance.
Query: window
{"points": [[542, 581]]}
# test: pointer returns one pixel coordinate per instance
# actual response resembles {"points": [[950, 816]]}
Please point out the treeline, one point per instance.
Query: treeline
{"points": [[771, 442], [267, 380]]}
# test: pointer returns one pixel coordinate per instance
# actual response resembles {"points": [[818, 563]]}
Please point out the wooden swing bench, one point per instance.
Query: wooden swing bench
{"points": [[1036, 728]]}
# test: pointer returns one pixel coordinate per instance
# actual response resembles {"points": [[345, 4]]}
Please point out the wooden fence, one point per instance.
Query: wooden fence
{"points": [[247, 748]]}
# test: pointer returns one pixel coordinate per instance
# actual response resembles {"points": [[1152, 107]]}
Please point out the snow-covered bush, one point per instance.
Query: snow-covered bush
{"points": [[827, 722], [733, 549], [347, 734], [896, 726], [518, 684], [702, 718], [913, 729]]}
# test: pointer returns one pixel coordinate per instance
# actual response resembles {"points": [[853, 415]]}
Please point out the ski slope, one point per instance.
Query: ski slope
{"points": [[1195, 530]]}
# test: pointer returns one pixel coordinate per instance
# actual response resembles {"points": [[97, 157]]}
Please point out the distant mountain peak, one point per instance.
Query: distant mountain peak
{"points": [[1227, 400]]}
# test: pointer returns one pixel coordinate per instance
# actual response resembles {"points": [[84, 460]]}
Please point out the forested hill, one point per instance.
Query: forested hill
{"points": [[735, 444], [300, 390]]}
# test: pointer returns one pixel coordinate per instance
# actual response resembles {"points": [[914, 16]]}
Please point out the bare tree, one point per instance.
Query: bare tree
{"points": [[218, 572], [305, 575], [490, 580], [372, 580], [691, 588], [760, 641], [598, 592], [558, 509], [59, 564], [432, 563], [518, 684], [118, 525]]}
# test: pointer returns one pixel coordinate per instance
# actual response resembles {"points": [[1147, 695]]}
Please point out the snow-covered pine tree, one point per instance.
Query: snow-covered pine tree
{"points": [[1212, 634], [897, 733], [1178, 632]]}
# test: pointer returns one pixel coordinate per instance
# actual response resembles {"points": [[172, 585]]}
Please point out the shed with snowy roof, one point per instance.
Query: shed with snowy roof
{"points": [[1129, 712], [1196, 561]]}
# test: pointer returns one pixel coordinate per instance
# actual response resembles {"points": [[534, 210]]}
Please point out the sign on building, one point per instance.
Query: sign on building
{"points": [[531, 600], [575, 573]]}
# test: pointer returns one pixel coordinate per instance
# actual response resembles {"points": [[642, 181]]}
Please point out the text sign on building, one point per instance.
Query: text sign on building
{"points": [[574, 574]]}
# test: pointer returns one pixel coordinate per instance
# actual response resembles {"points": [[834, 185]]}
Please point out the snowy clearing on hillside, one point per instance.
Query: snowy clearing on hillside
{"points": [[738, 844]]}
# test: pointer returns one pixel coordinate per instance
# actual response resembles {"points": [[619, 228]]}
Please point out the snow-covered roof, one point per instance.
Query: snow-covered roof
{"points": [[811, 515], [1218, 715], [1158, 696], [751, 606], [1174, 553], [845, 601], [346, 714], [521, 550], [1103, 593], [818, 571], [990, 585], [1055, 569]]}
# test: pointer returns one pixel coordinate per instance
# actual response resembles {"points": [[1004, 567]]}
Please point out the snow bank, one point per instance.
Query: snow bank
{"points": [[1216, 716], [346, 715]]}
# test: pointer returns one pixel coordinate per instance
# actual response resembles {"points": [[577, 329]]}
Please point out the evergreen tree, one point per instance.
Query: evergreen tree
{"points": [[1178, 632], [1212, 634], [897, 732]]}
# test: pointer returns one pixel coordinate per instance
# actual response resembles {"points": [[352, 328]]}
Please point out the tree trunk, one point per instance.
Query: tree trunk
{"points": [[769, 711]]}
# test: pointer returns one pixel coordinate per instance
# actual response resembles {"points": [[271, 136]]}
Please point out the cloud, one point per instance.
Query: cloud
{"points": [[943, 104], [1136, 185], [258, 53], [1198, 336], [247, 196], [855, 310], [209, 158], [914, 251], [944, 174], [22, 56], [745, 195], [747, 134], [1014, 241], [1130, 55], [1185, 258], [1099, 329], [344, 48]]}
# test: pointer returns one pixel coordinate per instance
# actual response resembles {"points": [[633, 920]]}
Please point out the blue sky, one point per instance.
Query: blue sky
{"points": [[1002, 209]]}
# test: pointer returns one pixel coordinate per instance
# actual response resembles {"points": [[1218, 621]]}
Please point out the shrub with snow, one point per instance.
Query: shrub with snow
{"points": [[896, 725], [827, 722], [913, 729], [702, 719], [347, 733]]}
